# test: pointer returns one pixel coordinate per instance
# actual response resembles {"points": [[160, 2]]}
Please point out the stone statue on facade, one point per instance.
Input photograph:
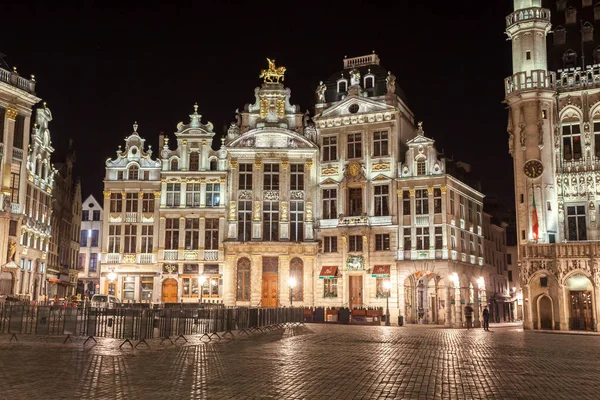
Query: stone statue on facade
{"points": [[390, 82], [354, 77], [321, 89], [541, 134], [306, 119], [238, 117], [12, 249]]}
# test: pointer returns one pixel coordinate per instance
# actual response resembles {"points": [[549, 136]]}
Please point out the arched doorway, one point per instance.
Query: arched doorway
{"points": [[581, 314], [169, 291], [6, 284], [545, 312], [421, 301]]}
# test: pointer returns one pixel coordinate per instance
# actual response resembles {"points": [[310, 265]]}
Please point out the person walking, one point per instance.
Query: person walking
{"points": [[486, 319], [469, 316]]}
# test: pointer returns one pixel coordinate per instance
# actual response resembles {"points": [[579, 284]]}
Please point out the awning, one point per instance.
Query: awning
{"points": [[53, 280], [328, 272], [381, 271]]}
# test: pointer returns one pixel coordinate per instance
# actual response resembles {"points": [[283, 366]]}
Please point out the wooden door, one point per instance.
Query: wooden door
{"points": [[545, 313], [169, 291], [581, 310], [355, 288], [269, 290]]}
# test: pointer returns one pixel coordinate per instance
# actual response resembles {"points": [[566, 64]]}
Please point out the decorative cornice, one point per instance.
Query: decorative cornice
{"points": [[355, 119]]}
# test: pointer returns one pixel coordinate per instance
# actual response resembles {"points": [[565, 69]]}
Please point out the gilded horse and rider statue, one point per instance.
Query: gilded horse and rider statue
{"points": [[273, 74]]}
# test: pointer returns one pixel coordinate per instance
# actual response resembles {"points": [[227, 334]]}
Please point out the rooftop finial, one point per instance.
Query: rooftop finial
{"points": [[135, 126], [274, 74], [196, 108], [44, 104], [15, 69], [420, 128]]}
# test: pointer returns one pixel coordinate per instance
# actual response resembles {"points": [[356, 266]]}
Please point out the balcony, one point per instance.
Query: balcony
{"points": [[14, 79], [171, 255], [131, 217], [354, 220], [113, 258], [190, 255], [17, 154], [536, 79], [422, 220], [567, 249], [146, 258], [15, 208], [129, 258], [527, 15], [211, 255], [576, 79]]}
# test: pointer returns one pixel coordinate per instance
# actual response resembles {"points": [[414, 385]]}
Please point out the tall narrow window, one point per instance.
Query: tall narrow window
{"points": [[330, 244], [421, 167], [131, 202], [470, 211], [463, 243], [15, 178], [114, 238], [437, 200], [355, 201], [438, 238], [130, 239], [116, 203], [407, 239], [597, 138], [271, 220], [245, 177], [211, 233], [95, 215], [243, 279], [213, 194], [147, 238], [132, 174], [297, 220], [329, 203], [571, 16], [271, 177], [297, 177], [192, 233], [422, 238], [382, 198], [147, 203], [406, 202], [382, 241], [355, 243], [83, 238], [194, 161], [354, 145], [421, 201], [213, 165], [380, 143], [28, 202], [297, 272], [93, 262], [451, 202], [95, 238], [571, 134], [173, 194], [576, 223], [85, 214], [329, 148], [172, 234], [462, 207], [174, 164], [192, 195], [19, 131], [244, 220]]}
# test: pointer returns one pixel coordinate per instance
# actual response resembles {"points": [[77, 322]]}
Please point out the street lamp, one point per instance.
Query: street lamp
{"points": [[201, 280], [388, 286], [292, 283]]}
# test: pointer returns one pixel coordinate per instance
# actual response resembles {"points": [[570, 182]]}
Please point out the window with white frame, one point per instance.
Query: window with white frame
{"points": [[597, 138], [342, 86], [470, 211], [130, 239], [407, 239], [271, 177], [213, 194], [330, 244], [355, 201], [270, 220], [422, 238], [406, 202], [192, 194], [437, 200], [95, 238], [330, 287], [452, 238], [462, 207], [329, 203], [192, 233], [244, 220], [211, 233], [422, 201], [369, 82], [245, 177], [439, 243], [576, 223], [132, 175], [382, 241], [380, 143], [297, 177], [471, 244], [116, 203], [571, 135], [354, 145], [329, 148], [114, 238], [480, 247], [147, 203], [147, 238], [93, 262], [172, 234], [297, 220], [173, 194], [382, 200], [131, 202], [174, 164], [421, 167], [463, 242], [355, 243], [194, 161], [129, 288]]}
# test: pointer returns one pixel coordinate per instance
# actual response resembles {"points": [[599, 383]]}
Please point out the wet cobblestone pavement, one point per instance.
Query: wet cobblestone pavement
{"points": [[312, 362]]}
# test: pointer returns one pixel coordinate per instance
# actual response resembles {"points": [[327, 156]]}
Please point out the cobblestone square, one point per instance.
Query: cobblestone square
{"points": [[313, 362]]}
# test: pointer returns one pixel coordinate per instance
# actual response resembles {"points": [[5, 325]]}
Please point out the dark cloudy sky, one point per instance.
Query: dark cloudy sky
{"points": [[102, 66]]}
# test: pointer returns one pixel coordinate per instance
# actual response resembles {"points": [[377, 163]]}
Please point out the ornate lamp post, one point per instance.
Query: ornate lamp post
{"points": [[292, 283], [388, 286]]}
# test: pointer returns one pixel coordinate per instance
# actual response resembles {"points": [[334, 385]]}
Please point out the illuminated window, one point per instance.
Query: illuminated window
{"points": [[194, 161], [421, 167], [329, 148], [133, 173], [571, 134], [354, 145], [382, 198], [243, 279], [380, 143], [245, 177]]}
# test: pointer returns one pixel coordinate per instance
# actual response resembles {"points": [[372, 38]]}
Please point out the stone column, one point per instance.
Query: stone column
{"points": [[309, 277], [476, 306], [448, 319], [185, 156], [284, 191], [283, 275], [256, 205], [527, 311], [229, 280], [9, 133], [563, 307], [255, 280]]}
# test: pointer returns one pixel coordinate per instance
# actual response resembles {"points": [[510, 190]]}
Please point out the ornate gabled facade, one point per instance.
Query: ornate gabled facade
{"points": [[130, 234], [90, 252], [273, 158], [192, 214], [554, 139]]}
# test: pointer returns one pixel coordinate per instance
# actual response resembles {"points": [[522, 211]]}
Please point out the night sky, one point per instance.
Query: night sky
{"points": [[102, 67]]}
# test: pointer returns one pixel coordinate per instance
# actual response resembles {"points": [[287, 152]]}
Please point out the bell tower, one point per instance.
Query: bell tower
{"points": [[529, 96]]}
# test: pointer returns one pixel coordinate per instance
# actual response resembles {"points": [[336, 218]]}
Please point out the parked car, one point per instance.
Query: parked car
{"points": [[104, 301]]}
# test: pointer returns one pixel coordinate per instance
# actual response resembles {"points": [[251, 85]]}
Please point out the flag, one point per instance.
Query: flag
{"points": [[534, 220]]}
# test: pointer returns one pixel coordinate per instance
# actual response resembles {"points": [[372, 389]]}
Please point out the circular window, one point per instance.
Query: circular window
{"points": [[91, 205], [134, 151], [353, 108]]}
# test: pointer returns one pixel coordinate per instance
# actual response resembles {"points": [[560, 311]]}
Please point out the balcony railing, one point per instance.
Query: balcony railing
{"points": [[113, 258], [576, 79], [211, 255], [536, 79], [17, 154], [171, 255], [422, 220], [354, 220], [146, 258], [568, 249], [528, 14], [18, 81], [131, 217], [15, 208]]}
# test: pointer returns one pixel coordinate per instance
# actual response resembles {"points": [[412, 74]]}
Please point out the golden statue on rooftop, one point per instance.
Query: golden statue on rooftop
{"points": [[273, 74]]}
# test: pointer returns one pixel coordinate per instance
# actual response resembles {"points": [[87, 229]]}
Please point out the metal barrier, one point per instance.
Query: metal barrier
{"points": [[137, 324]]}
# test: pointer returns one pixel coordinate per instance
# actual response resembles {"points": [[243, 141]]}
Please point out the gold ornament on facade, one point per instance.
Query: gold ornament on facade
{"points": [[257, 210], [443, 189], [156, 195], [123, 194], [412, 192], [354, 168], [274, 74], [280, 108], [308, 164], [285, 164], [430, 190], [107, 194], [232, 210], [399, 192], [140, 195], [233, 164], [129, 258], [384, 166], [329, 171], [222, 179], [309, 211], [284, 210], [264, 108], [258, 163], [11, 113]]}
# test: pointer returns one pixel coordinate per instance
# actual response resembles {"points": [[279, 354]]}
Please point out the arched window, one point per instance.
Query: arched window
{"points": [[342, 86], [570, 59], [243, 279], [213, 165], [369, 82], [560, 35], [588, 32], [297, 272], [571, 15], [174, 164], [571, 135], [133, 173], [194, 161]]}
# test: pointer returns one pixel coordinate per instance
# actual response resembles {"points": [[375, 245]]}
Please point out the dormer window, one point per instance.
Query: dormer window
{"points": [[174, 164], [133, 173], [120, 175], [560, 35], [597, 55], [571, 16], [561, 5], [420, 167], [597, 11], [570, 59], [213, 165], [369, 81], [588, 32], [586, 3], [194, 161], [342, 86]]}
